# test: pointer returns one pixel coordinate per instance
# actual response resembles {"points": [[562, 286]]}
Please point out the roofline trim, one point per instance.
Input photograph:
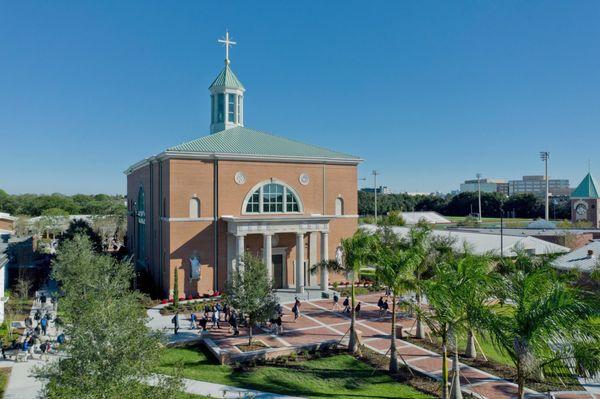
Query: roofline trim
{"points": [[240, 157]]}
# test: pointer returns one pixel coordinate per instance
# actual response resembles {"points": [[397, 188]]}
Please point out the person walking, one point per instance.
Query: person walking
{"points": [[357, 310], [175, 321], [44, 325], [278, 325], [347, 305], [219, 309], [380, 305], [203, 322], [193, 321], [336, 300], [233, 323], [296, 309], [385, 307], [215, 318]]}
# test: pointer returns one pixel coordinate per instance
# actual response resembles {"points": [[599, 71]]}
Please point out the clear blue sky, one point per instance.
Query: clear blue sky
{"points": [[428, 93]]}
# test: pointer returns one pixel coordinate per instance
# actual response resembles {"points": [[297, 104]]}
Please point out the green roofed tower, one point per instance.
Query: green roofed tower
{"points": [[585, 201], [226, 96]]}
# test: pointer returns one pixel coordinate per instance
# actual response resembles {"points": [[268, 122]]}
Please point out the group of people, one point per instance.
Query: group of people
{"points": [[35, 338], [213, 314], [346, 304]]}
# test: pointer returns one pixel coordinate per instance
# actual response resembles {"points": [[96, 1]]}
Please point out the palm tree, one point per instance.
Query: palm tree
{"points": [[457, 296], [547, 325], [396, 264], [357, 251], [432, 250], [478, 282]]}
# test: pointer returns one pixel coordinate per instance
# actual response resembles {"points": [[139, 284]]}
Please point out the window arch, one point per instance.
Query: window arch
{"points": [[272, 197], [141, 220], [194, 208], [339, 206]]}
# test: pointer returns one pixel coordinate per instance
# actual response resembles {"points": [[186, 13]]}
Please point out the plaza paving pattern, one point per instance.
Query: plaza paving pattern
{"points": [[318, 323]]}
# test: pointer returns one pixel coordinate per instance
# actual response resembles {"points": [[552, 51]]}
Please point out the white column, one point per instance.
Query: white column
{"points": [[239, 251], [300, 263], [324, 256], [267, 254], [312, 256]]}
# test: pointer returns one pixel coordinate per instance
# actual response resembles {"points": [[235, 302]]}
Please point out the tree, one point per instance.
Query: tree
{"points": [[250, 292], [357, 251], [110, 352], [395, 268], [176, 288], [445, 315], [82, 227], [550, 325]]}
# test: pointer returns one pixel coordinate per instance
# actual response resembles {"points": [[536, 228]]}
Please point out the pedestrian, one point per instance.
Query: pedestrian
{"points": [[336, 300], [43, 300], [347, 305], [175, 321], [386, 306], [193, 321], [296, 309], [233, 323], [279, 309], [380, 305], [44, 325], [219, 309], [226, 311], [215, 318], [357, 310], [278, 325]]}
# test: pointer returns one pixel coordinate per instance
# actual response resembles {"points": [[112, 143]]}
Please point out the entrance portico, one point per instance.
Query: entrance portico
{"points": [[271, 228]]}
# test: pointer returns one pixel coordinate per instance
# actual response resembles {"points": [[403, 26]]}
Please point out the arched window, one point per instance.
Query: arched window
{"points": [[272, 198], [339, 206], [141, 220], [194, 208]]}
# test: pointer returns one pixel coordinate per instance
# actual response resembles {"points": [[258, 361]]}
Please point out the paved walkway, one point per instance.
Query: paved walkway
{"points": [[21, 384], [319, 323]]}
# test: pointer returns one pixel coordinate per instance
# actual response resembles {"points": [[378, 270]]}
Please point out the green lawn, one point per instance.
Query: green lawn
{"points": [[4, 374], [340, 376]]}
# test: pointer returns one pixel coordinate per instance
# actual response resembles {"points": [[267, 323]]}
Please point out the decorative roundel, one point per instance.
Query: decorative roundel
{"points": [[304, 179], [240, 178]]}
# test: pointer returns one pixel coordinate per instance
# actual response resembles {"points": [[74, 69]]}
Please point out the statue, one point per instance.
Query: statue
{"points": [[338, 255], [195, 267]]}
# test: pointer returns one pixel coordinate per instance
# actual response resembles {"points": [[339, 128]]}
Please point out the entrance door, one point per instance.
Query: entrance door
{"points": [[277, 261]]}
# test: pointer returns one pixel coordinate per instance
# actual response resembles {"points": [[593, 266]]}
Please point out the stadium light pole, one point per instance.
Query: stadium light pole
{"points": [[544, 156], [479, 191], [375, 173]]}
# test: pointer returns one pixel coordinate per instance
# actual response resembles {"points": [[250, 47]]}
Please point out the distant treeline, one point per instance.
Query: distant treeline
{"points": [[78, 204], [520, 205]]}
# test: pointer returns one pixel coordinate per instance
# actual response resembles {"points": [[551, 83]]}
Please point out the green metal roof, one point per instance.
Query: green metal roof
{"points": [[588, 188], [227, 78], [243, 141]]}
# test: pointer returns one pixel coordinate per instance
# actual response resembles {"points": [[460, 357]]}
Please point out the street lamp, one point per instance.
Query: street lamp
{"points": [[544, 156], [479, 191], [375, 173]]}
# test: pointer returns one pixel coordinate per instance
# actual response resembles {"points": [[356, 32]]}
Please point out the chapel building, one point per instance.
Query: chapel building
{"points": [[585, 202], [197, 207]]}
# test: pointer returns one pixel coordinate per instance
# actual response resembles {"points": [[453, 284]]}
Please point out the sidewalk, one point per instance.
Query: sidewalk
{"points": [[21, 385]]}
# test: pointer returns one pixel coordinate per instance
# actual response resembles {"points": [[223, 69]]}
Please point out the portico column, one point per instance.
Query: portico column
{"points": [[324, 257], [267, 254], [300, 263], [240, 249]]}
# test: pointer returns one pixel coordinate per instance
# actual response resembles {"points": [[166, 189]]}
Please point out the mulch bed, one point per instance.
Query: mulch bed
{"points": [[507, 372], [256, 345], [417, 381]]}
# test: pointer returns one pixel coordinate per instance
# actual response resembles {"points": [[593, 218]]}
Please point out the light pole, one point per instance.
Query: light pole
{"points": [[544, 156], [479, 191], [375, 173], [361, 179]]}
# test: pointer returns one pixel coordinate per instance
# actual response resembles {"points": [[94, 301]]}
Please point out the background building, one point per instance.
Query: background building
{"points": [[380, 190], [585, 202], [487, 186], [537, 185]]}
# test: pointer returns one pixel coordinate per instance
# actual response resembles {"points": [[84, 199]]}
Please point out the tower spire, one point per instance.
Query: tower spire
{"points": [[227, 42]]}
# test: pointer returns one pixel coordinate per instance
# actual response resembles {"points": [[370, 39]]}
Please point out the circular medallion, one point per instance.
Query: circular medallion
{"points": [[304, 179], [240, 178]]}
